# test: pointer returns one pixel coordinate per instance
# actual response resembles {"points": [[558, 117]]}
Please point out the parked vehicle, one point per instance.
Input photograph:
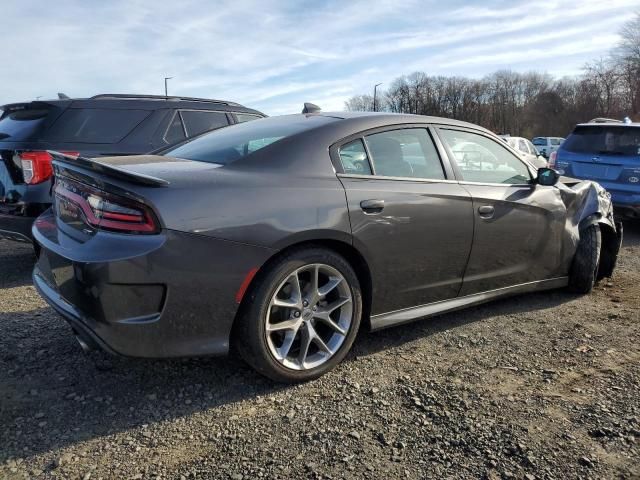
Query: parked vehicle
{"points": [[284, 235], [608, 153], [547, 145], [104, 125], [526, 150]]}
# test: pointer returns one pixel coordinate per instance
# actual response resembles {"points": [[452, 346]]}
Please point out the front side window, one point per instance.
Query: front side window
{"points": [[540, 141], [405, 153], [480, 159], [198, 121], [353, 157]]}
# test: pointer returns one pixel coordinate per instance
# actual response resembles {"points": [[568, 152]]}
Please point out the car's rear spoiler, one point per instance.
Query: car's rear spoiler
{"points": [[63, 159]]}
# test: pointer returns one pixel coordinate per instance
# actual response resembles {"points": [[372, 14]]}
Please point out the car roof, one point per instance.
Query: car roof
{"points": [[384, 118], [608, 124], [147, 102]]}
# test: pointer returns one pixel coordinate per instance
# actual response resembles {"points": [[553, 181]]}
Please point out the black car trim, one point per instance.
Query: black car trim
{"points": [[407, 315], [68, 312]]}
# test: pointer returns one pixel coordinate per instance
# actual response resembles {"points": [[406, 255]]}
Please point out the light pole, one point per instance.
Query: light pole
{"points": [[375, 94], [165, 85]]}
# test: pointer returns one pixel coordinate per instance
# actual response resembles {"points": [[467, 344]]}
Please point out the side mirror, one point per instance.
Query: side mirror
{"points": [[547, 176]]}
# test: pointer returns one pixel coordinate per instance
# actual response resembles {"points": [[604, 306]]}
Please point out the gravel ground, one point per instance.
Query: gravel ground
{"points": [[542, 385]]}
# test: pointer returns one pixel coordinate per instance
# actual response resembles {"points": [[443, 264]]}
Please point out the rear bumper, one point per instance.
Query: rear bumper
{"points": [[16, 227], [166, 295]]}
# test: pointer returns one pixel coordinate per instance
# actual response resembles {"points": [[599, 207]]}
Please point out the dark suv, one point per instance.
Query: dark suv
{"points": [[103, 125]]}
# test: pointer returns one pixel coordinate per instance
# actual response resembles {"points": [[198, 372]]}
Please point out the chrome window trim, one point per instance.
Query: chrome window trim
{"points": [[401, 179]]}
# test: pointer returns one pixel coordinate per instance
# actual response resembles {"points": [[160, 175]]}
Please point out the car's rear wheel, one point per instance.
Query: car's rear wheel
{"points": [[584, 268], [302, 317]]}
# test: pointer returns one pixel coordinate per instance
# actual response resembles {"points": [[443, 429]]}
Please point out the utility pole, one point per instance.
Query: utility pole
{"points": [[375, 94], [166, 94]]}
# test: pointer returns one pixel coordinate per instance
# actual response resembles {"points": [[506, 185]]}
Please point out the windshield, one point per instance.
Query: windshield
{"points": [[232, 143], [612, 140], [540, 141]]}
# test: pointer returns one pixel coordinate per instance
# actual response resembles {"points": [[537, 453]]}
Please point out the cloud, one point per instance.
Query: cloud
{"points": [[274, 55]]}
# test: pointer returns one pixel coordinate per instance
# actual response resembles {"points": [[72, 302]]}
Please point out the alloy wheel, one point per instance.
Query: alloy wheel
{"points": [[309, 317]]}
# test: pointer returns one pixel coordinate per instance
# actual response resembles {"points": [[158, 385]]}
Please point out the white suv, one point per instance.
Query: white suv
{"points": [[547, 145]]}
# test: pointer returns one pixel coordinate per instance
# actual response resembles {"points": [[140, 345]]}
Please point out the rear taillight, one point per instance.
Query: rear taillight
{"points": [[36, 166], [76, 201], [552, 159]]}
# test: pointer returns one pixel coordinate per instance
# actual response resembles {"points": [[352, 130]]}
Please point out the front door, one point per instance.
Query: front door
{"points": [[413, 223], [519, 225]]}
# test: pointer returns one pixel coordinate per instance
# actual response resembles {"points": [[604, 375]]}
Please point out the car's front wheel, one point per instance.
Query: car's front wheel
{"points": [[302, 316], [584, 268]]}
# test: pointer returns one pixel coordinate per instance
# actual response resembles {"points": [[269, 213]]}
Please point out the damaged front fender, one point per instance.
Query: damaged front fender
{"points": [[588, 204]]}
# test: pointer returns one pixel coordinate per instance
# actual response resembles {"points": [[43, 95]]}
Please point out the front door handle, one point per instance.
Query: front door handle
{"points": [[372, 206], [486, 211]]}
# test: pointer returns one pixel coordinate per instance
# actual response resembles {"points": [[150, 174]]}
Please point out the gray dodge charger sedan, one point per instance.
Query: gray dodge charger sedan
{"points": [[282, 237]]}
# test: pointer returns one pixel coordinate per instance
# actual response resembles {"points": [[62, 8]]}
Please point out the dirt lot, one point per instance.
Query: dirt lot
{"points": [[539, 386]]}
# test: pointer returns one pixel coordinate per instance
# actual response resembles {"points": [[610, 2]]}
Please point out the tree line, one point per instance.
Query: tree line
{"points": [[524, 104]]}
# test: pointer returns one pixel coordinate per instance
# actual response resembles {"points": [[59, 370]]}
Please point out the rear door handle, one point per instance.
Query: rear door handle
{"points": [[486, 211], [372, 206]]}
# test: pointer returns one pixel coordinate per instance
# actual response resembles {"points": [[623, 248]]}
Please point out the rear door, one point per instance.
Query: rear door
{"points": [[518, 225], [412, 220]]}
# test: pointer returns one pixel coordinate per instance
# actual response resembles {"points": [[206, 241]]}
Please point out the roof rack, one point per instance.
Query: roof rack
{"points": [[604, 120], [103, 96]]}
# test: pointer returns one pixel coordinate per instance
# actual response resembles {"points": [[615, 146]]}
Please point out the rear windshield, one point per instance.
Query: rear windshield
{"points": [[232, 143], [95, 125], [539, 141], [21, 125], [611, 140]]}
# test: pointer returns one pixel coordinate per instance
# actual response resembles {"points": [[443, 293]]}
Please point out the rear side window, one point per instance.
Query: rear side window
{"points": [[522, 146], [405, 153], [483, 160], [353, 157], [540, 142], [608, 140], [21, 125], [95, 125], [196, 121]]}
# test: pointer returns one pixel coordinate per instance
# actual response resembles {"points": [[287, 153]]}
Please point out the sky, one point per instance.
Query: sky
{"points": [[274, 55]]}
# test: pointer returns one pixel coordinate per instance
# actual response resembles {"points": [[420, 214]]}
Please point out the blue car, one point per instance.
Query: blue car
{"points": [[608, 153]]}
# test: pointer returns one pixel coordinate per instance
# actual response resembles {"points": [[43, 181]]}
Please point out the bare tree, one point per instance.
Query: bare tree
{"points": [[359, 103]]}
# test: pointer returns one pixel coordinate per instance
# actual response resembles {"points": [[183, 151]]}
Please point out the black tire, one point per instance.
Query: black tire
{"points": [[584, 268], [609, 253], [249, 336]]}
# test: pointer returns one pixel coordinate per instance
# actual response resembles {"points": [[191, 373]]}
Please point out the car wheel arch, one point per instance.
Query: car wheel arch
{"points": [[345, 249]]}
